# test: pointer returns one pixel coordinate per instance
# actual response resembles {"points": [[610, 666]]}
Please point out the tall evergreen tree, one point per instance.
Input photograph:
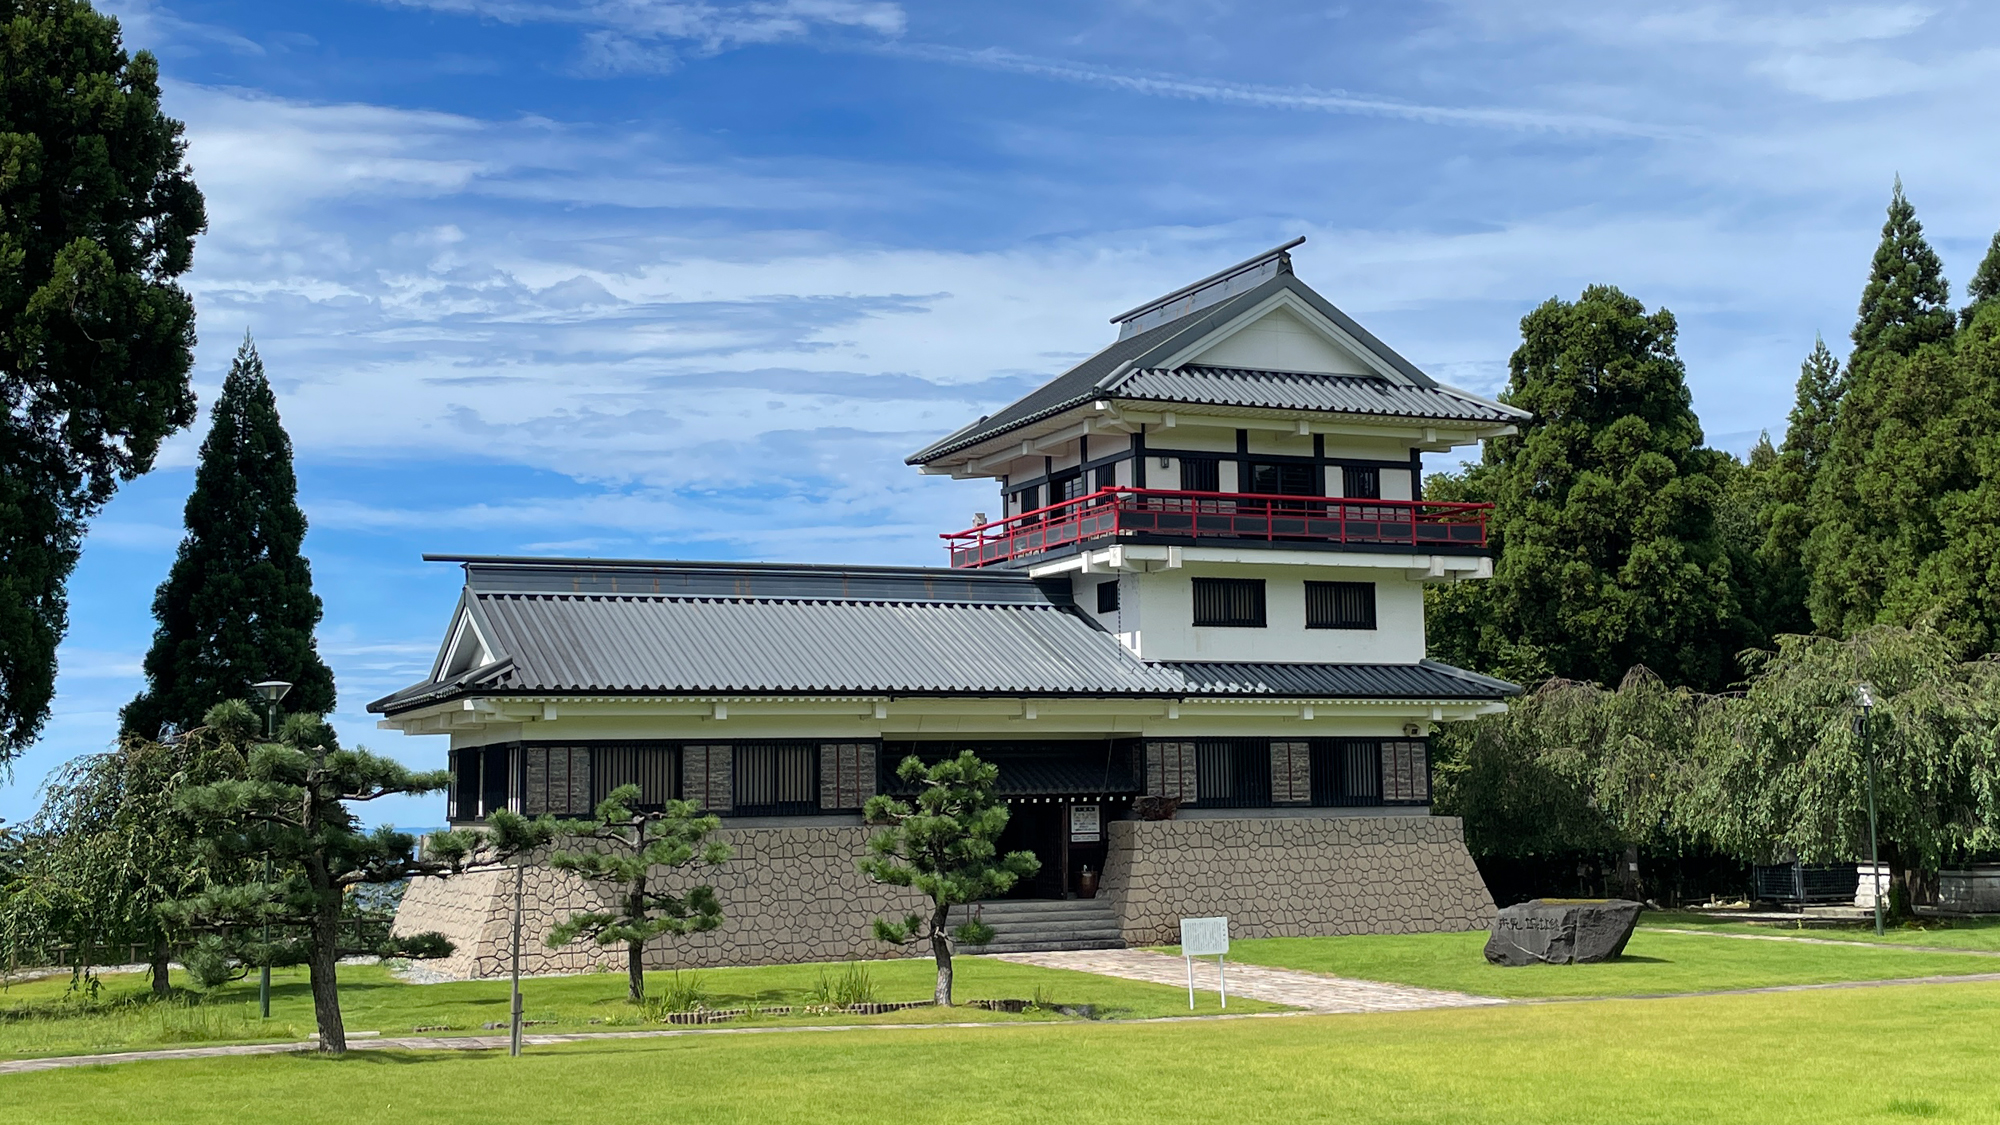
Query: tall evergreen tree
{"points": [[1605, 511], [238, 605], [1906, 303], [98, 216], [1784, 591], [1985, 284], [1901, 448]]}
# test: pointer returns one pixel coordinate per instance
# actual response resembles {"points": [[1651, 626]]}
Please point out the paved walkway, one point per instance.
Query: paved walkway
{"points": [[1314, 992]]}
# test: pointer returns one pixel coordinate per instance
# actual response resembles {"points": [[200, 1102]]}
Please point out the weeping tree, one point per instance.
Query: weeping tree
{"points": [[1785, 772], [109, 854], [291, 807], [946, 848], [629, 852], [1575, 767]]}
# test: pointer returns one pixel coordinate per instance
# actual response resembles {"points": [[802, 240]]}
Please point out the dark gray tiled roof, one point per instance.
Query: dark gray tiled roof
{"points": [[917, 631], [1424, 680], [1093, 378], [1286, 390]]}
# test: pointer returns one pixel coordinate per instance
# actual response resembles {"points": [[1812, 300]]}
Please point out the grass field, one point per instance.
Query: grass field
{"points": [[1949, 933], [1653, 963], [1919, 1053], [43, 1018]]}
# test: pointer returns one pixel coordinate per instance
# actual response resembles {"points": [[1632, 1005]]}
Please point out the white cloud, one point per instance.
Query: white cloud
{"points": [[709, 27]]}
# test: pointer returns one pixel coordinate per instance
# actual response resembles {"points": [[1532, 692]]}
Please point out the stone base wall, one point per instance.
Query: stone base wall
{"points": [[792, 894], [1294, 876], [788, 894]]}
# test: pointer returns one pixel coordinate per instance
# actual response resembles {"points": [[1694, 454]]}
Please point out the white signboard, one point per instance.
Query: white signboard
{"points": [[1204, 937], [1084, 827]]}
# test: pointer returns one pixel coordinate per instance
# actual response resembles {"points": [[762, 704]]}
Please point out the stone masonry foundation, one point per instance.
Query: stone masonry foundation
{"points": [[792, 894], [1294, 876]]}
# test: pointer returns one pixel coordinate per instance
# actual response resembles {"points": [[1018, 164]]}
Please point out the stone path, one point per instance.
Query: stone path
{"points": [[1313, 992], [1827, 941]]}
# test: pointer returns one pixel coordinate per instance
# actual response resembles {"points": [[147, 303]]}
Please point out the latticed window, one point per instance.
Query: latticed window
{"points": [[777, 778], [1229, 602], [1340, 605], [1346, 771], [655, 769], [1201, 474], [1232, 773]]}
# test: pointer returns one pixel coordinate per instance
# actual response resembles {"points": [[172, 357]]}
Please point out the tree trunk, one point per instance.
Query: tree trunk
{"points": [[941, 949], [161, 988], [635, 951], [324, 962]]}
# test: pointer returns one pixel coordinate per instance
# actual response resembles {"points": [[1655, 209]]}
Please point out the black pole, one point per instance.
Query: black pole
{"points": [[264, 972], [1874, 848]]}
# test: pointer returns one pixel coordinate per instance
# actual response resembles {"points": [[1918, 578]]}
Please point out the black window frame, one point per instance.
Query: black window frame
{"points": [[1340, 605], [464, 793], [1230, 603], [1232, 773], [1201, 474], [1361, 482], [1106, 476], [751, 779], [1283, 478], [1107, 596]]}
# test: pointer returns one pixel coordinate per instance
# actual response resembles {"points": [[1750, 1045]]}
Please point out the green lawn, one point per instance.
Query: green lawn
{"points": [[1864, 1055], [42, 1018], [1653, 963], [1947, 933]]}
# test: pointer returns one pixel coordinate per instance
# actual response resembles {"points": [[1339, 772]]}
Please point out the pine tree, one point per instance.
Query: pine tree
{"points": [[1985, 284], [1906, 303], [238, 605], [1605, 511]]}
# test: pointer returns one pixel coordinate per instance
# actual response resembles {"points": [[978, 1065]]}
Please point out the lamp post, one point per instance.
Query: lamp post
{"points": [[1864, 705], [272, 692]]}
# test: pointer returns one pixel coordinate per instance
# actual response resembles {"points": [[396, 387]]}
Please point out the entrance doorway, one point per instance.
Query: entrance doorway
{"points": [[1059, 832]]}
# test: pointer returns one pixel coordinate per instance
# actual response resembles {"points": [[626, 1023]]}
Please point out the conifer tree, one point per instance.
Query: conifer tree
{"points": [[1901, 453], [1605, 520], [1783, 591], [98, 216], [1906, 303], [1985, 284], [238, 605]]}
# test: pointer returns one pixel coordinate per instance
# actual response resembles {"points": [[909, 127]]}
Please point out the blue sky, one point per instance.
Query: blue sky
{"points": [[640, 278]]}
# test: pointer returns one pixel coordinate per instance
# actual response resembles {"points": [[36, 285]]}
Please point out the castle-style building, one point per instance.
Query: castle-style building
{"points": [[1203, 583]]}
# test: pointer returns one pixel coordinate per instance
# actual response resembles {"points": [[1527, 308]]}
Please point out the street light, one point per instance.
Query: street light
{"points": [[1864, 704], [272, 691]]}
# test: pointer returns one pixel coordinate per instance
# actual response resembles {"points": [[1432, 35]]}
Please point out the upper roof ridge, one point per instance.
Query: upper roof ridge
{"points": [[1218, 286]]}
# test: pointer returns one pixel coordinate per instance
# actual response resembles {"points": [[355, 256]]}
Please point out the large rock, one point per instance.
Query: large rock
{"points": [[1562, 931]]}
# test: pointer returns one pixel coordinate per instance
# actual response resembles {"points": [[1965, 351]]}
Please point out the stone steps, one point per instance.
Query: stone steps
{"points": [[1046, 925]]}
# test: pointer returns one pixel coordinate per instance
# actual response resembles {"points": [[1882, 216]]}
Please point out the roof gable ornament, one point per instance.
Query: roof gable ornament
{"points": [[1242, 277]]}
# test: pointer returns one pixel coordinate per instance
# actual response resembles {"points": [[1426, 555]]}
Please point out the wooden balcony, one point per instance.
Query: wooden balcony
{"points": [[1151, 515]]}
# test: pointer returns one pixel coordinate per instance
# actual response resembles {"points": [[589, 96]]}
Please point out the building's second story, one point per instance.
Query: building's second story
{"points": [[1238, 477]]}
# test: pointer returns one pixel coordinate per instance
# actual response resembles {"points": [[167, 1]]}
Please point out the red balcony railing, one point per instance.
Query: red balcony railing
{"points": [[1131, 512]]}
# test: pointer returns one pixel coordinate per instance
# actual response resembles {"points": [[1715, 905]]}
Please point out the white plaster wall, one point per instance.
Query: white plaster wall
{"points": [[1396, 484], [1194, 439], [1368, 448], [1280, 341], [1273, 441], [1165, 603]]}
